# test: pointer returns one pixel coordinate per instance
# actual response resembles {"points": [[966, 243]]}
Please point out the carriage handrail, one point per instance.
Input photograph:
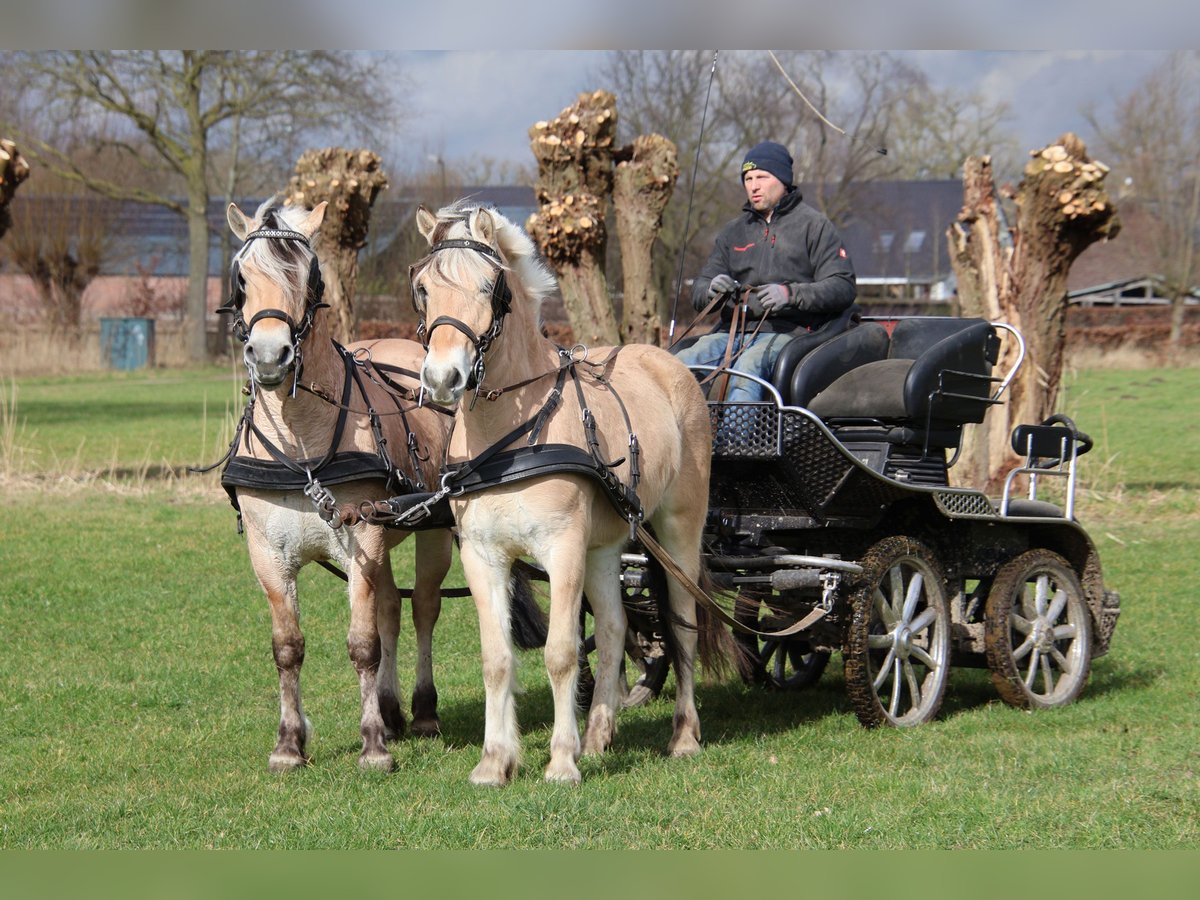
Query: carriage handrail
{"points": [[738, 373], [1012, 373]]}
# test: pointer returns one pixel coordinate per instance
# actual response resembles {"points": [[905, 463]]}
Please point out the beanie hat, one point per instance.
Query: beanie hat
{"points": [[770, 157]]}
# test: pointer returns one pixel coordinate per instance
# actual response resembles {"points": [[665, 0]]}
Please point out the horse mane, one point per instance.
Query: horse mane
{"points": [[284, 262], [521, 259]]}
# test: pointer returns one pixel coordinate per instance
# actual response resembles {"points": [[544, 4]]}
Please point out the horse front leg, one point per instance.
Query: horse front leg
{"points": [[368, 572], [387, 601], [432, 563], [287, 646], [603, 588], [566, 569], [487, 576]]}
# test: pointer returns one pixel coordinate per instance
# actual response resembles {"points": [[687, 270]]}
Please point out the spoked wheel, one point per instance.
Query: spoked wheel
{"points": [[897, 657], [1038, 632], [787, 664]]}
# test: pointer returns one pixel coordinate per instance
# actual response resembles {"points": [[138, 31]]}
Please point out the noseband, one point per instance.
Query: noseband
{"points": [[314, 291], [501, 306]]}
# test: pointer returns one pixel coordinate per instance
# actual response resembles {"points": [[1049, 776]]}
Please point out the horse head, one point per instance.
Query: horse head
{"points": [[479, 264], [275, 287]]}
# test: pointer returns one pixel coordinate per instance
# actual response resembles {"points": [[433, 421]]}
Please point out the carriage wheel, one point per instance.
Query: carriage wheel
{"points": [[897, 657], [1038, 632], [787, 664]]}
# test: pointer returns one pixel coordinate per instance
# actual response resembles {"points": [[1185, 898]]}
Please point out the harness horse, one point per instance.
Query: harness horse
{"points": [[315, 442], [557, 455]]}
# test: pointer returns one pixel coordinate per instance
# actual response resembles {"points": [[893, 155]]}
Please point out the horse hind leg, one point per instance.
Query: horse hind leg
{"points": [[433, 553], [680, 630], [602, 585]]}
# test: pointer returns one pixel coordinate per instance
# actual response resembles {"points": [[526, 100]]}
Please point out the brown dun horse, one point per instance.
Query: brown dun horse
{"points": [[479, 292], [302, 383]]}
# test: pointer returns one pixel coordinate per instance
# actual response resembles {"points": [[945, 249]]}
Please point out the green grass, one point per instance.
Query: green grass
{"points": [[138, 697]]}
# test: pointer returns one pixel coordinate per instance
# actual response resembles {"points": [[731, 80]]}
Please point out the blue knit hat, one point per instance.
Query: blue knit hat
{"points": [[770, 157]]}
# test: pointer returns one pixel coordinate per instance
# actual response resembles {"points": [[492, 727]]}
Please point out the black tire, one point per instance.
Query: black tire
{"points": [[1038, 632], [897, 655], [785, 664]]}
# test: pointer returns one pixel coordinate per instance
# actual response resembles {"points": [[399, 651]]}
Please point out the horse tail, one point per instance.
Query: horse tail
{"points": [[718, 648], [715, 646], [527, 622]]}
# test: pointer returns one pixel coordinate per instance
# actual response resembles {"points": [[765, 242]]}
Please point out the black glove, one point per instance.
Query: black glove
{"points": [[721, 284], [773, 297]]}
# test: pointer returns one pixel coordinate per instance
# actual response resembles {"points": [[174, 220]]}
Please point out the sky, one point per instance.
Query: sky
{"points": [[484, 101]]}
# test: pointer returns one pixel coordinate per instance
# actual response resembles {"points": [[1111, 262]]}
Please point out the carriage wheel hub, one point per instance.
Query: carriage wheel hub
{"points": [[902, 641]]}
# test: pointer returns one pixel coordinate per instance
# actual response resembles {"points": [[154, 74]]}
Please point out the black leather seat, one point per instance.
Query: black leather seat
{"points": [[803, 343], [920, 384]]}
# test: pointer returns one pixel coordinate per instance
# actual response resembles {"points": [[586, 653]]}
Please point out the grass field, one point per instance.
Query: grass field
{"points": [[138, 697]]}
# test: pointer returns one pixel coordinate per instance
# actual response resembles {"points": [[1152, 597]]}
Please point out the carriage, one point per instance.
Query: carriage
{"points": [[832, 517]]}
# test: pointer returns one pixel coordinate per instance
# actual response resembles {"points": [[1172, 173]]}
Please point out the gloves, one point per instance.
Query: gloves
{"points": [[721, 284], [773, 297]]}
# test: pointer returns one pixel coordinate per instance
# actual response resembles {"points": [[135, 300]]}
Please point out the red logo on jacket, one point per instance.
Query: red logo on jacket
{"points": [[747, 247]]}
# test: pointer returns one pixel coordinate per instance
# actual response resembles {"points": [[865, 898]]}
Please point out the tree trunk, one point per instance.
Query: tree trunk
{"points": [[350, 180], [575, 176], [1019, 277], [196, 317], [13, 170], [642, 186]]}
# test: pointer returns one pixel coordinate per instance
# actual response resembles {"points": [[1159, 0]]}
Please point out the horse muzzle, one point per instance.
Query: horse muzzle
{"points": [[269, 358], [445, 382]]}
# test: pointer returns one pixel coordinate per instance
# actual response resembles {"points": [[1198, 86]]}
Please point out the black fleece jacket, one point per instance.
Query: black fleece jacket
{"points": [[799, 248]]}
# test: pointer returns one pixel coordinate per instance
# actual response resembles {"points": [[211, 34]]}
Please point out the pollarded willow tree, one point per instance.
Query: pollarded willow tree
{"points": [[349, 180], [13, 170], [1019, 276], [579, 170]]}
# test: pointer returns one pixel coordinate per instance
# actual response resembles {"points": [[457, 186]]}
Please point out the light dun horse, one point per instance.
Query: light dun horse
{"points": [[564, 521], [288, 345]]}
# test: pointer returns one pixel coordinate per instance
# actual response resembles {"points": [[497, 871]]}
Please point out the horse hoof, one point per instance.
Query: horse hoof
{"points": [[376, 762], [562, 774], [684, 747], [491, 773], [595, 745], [286, 762], [426, 728]]}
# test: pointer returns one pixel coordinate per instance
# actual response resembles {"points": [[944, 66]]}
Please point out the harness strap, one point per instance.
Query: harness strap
{"points": [[660, 553]]}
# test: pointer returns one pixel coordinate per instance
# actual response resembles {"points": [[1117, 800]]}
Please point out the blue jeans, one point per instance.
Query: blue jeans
{"points": [[758, 359]]}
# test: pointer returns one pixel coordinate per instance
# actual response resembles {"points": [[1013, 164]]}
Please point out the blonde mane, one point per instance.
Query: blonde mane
{"points": [[284, 262], [455, 266]]}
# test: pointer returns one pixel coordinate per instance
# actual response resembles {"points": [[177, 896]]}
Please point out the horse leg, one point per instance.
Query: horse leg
{"points": [[487, 576], [387, 600], [566, 570], [682, 540], [287, 646], [432, 564], [602, 585], [364, 646]]}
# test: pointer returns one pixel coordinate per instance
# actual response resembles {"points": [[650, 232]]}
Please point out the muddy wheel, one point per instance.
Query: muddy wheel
{"points": [[1038, 632], [897, 656], [786, 664]]}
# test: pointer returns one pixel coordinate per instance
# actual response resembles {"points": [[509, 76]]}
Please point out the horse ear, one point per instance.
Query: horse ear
{"points": [[426, 222], [239, 223], [483, 226], [309, 224]]}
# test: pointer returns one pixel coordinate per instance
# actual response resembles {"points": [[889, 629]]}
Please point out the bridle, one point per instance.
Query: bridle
{"points": [[501, 302], [314, 291]]}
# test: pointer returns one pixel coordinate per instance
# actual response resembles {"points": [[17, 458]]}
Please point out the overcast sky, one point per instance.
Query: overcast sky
{"points": [[482, 102]]}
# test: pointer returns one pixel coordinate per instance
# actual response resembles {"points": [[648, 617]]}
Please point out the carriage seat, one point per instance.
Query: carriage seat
{"points": [[804, 342], [922, 381]]}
